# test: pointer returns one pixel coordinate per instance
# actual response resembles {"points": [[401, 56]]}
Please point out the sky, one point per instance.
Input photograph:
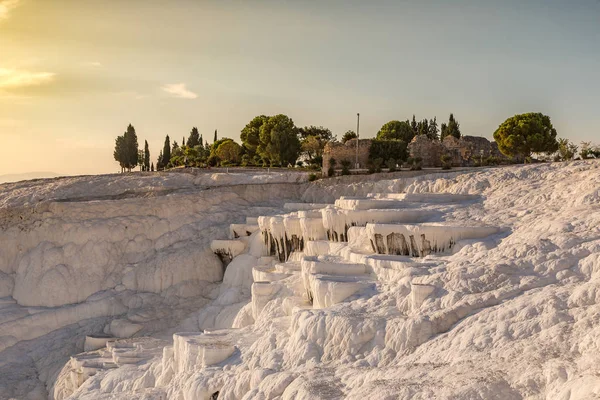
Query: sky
{"points": [[75, 73]]}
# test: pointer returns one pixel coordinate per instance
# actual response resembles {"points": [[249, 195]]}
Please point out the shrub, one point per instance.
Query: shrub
{"points": [[446, 161], [331, 169], [300, 164], [213, 161], [346, 167], [376, 165], [312, 177], [391, 164], [245, 160], [415, 163], [386, 149]]}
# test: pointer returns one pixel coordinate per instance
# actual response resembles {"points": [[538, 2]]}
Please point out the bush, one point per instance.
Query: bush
{"points": [[386, 149], [213, 161], [391, 164], [446, 161], [375, 165], [346, 167], [300, 164], [331, 169], [312, 177], [245, 160], [415, 163]]}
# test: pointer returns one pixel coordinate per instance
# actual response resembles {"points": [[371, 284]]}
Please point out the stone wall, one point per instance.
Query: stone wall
{"points": [[346, 151], [429, 151], [464, 152]]}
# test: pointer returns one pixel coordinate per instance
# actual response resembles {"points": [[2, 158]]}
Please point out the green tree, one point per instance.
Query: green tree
{"points": [[159, 163], [215, 138], [126, 149], [443, 128], [566, 150], [166, 153], [146, 156], [152, 167], [194, 138], [131, 142], [279, 141], [386, 149], [452, 129], [433, 129], [323, 134], [229, 152], [423, 127], [250, 135], [141, 159], [414, 126], [396, 130], [120, 153], [524, 134], [349, 135]]}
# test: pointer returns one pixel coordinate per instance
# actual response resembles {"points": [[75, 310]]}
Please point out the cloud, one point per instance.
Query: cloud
{"points": [[6, 6], [12, 78], [94, 64], [179, 90]]}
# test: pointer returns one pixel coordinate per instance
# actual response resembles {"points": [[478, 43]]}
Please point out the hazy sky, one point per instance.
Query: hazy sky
{"points": [[74, 73]]}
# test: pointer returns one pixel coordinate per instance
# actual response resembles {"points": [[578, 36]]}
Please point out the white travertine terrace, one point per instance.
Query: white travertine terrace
{"points": [[239, 230], [227, 250], [419, 240], [303, 206], [502, 269], [432, 198], [336, 221]]}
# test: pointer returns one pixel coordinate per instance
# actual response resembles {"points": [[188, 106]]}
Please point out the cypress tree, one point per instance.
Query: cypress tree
{"points": [[159, 163], [131, 148], [183, 142], [152, 167], [433, 129], [146, 156], [423, 127], [453, 127], [443, 129], [166, 153], [215, 139], [194, 138], [414, 126]]}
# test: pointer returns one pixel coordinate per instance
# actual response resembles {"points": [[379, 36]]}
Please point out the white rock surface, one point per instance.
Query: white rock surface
{"points": [[510, 314]]}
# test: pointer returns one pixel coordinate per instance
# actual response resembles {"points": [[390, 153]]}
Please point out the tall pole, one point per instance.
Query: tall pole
{"points": [[357, 132]]}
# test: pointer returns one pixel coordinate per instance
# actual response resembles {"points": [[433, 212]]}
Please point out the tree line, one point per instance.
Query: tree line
{"points": [[277, 142]]}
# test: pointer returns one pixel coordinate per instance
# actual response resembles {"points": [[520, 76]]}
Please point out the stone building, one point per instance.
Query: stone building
{"points": [[346, 151]]}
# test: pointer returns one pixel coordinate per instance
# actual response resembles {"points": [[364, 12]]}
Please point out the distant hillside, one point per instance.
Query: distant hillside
{"points": [[27, 176]]}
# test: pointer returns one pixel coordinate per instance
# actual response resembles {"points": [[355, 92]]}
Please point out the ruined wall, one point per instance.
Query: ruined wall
{"points": [[346, 151], [429, 151], [464, 152]]}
